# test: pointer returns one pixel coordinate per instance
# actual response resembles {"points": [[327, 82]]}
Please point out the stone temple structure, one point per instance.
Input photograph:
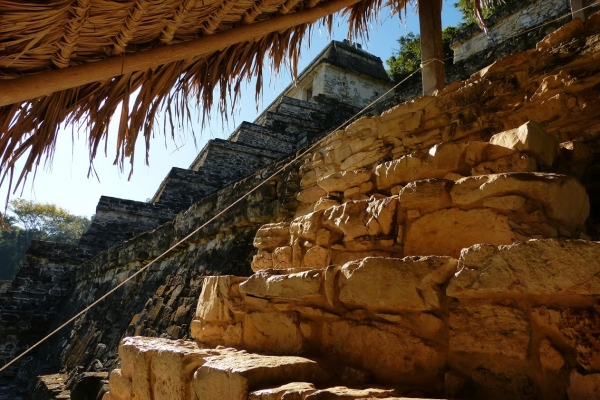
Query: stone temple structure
{"points": [[442, 248]]}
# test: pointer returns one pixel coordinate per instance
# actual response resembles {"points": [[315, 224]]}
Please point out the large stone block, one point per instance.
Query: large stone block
{"points": [[358, 218], [120, 386], [584, 387], [219, 298], [340, 181], [519, 162], [427, 195], [392, 353], [270, 236], [489, 329], [538, 267], [344, 393], [447, 232], [232, 376], [272, 333], [289, 391], [393, 285], [306, 227], [159, 368], [532, 139], [564, 199], [441, 160], [298, 286]]}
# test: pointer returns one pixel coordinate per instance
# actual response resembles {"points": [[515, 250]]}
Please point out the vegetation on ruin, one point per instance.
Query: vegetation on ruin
{"points": [[27, 221]]}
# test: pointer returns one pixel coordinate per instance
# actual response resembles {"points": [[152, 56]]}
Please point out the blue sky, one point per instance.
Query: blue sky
{"points": [[65, 182]]}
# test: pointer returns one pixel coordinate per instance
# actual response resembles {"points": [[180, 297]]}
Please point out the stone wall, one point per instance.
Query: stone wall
{"points": [[511, 22], [336, 83], [31, 301], [117, 220]]}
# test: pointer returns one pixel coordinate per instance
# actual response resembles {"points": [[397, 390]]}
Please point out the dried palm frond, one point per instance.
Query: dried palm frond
{"points": [[43, 36]]}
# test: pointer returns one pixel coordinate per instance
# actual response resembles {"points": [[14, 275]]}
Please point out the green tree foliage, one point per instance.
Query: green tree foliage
{"points": [[407, 59], [27, 221], [466, 9]]}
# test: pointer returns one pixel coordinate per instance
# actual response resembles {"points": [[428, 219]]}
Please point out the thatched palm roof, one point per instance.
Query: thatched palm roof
{"points": [[64, 61]]}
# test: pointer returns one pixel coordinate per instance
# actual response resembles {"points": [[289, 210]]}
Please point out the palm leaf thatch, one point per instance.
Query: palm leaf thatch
{"points": [[38, 38]]}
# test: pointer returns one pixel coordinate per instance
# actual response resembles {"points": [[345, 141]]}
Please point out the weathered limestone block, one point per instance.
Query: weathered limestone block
{"points": [[584, 387], [343, 256], [306, 227], [393, 285], [272, 333], [508, 203], [577, 328], [574, 28], [486, 328], [427, 195], [233, 375], [446, 232], [344, 393], [317, 257], [270, 236], [362, 217], [300, 286], [481, 152], [340, 181], [219, 299], [158, 368], [309, 179], [564, 198], [518, 162], [171, 370], [364, 159], [120, 386], [362, 127], [438, 162], [550, 358], [394, 354], [537, 267], [532, 139], [326, 202], [262, 260], [311, 194], [282, 257], [290, 391]]}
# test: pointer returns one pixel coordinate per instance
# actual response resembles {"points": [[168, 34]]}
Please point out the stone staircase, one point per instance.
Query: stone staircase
{"points": [[284, 127]]}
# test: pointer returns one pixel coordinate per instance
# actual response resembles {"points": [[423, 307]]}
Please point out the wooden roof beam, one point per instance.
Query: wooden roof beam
{"points": [[18, 90]]}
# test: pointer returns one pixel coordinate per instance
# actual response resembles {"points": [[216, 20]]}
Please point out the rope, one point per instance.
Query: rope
{"points": [[161, 256], [300, 155], [425, 63]]}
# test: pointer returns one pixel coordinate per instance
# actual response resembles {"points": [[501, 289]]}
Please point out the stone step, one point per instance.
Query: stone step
{"points": [[301, 109], [179, 370], [260, 137], [183, 187], [170, 369], [117, 220], [227, 161], [289, 124]]}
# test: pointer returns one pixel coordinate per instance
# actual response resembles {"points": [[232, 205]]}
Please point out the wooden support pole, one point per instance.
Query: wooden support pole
{"points": [[432, 50], [29, 87], [576, 9]]}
